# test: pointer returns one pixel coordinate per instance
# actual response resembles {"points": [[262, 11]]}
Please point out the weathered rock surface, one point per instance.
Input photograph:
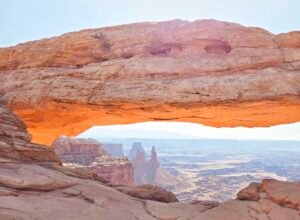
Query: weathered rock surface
{"points": [[210, 72], [78, 150], [250, 193], [283, 193], [90, 154], [40, 188], [15, 141], [118, 171], [149, 192]]}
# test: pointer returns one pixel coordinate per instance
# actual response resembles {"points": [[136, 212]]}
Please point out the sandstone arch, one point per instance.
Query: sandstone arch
{"points": [[209, 72], [65, 84]]}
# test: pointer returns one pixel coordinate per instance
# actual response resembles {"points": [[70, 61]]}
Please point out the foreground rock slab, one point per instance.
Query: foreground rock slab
{"points": [[31, 188]]}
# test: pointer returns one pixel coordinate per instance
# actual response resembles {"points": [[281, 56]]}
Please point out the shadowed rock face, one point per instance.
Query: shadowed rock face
{"points": [[15, 141], [149, 192], [210, 72]]}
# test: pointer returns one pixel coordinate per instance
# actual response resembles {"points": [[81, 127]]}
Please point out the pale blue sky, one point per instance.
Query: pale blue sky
{"points": [[24, 20]]}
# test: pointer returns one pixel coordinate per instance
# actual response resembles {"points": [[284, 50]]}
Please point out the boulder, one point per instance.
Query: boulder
{"points": [[149, 192]]}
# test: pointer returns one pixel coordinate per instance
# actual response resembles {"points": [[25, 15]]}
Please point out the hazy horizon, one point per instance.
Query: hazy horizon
{"points": [[185, 130]]}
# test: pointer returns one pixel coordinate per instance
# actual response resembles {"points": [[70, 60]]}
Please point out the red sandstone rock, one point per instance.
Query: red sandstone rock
{"points": [[117, 171], [78, 150], [88, 153], [30, 191], [15, 141], [250, 193], [282, 193], [149, 192], [214, 73]]}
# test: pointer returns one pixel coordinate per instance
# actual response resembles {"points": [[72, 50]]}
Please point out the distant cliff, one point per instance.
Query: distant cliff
{"points": [[89, 153], [209, 72], [78, 150]]}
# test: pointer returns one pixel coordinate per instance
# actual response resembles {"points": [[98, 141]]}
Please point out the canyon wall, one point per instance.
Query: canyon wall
{"points": [[15, 142], [209, 72], [89, 153], [78, 150], [117, 171], [34, 186]]}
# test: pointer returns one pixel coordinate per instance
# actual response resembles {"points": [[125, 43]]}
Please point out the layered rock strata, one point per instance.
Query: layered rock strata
{"points": [[90, 154], [15, 141], [209, 72], [33, 185], [118, 171], [78, 150]]}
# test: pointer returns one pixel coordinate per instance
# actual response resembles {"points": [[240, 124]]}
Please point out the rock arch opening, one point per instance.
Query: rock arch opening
{"points": [[67, 84], [49, 120], [193, 161]]}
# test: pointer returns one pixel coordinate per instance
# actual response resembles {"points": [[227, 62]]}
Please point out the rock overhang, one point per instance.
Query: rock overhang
{"points": [[210, 72]]}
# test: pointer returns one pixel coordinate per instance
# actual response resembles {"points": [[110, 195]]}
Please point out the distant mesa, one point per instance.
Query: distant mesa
{"points": [[80, 152]]}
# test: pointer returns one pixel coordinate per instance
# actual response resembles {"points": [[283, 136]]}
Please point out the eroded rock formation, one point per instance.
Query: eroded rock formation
{"points": [[89, 153], [210, 72], [78, 150], [215, 73], [15, 141], [144, 170], [118, 171]]}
